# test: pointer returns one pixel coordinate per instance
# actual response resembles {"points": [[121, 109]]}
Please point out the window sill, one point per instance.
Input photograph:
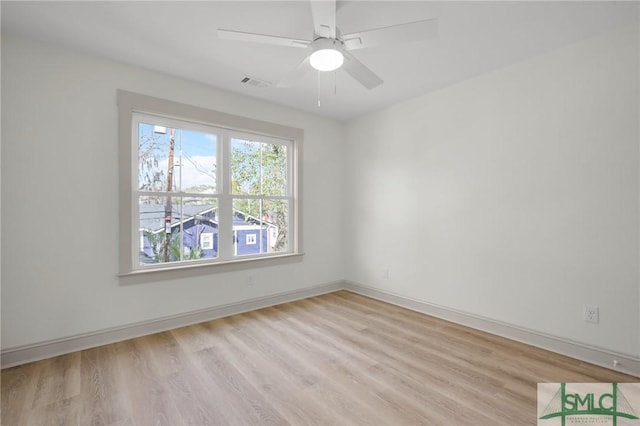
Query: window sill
{"points": [[188, 270]]}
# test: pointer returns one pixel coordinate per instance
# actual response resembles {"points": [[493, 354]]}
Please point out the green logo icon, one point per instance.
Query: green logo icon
{"points": [[611, 404]]}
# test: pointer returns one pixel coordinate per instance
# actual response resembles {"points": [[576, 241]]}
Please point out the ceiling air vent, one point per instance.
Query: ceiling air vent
{"points": [[255, 82]]}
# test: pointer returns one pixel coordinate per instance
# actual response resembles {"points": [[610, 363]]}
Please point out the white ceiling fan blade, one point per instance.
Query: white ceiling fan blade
{"points": [[323, 13], [295, 74], [412, 31], [262, 38], [357, 70]]}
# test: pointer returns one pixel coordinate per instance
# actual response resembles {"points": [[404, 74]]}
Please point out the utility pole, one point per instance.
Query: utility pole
{"points": [[168, 208]]}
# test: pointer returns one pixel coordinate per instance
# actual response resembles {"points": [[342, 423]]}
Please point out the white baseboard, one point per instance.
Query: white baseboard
{"points": [[603, 357], [28, 353]]}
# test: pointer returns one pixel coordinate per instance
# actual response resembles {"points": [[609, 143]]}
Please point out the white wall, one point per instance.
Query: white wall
{"points": [[513, 195], [60, 198]]}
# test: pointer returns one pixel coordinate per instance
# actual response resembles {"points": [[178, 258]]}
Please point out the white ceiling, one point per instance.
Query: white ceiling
{"points": [[179, 38]]}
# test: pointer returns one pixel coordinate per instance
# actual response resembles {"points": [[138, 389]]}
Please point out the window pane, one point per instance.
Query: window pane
{"points": [[260, 226], [156, 153], [200, 228], [172, 159], [158, 218], [258, 168], [249, 235], [174, 229], [245, 167], [274, 169], [276, 214], [196, 162]]}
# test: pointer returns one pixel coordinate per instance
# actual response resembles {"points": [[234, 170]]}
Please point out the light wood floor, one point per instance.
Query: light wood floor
{"points": [[334, 359]]}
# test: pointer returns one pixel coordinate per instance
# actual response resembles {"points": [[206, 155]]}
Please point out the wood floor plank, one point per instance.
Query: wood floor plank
{"points": [[18, 389], [275, 384], [59, 413], [335, 359], [60, 377], [242, 402], [100, 393]]}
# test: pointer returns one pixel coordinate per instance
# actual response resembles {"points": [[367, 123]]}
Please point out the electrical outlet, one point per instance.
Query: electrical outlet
{"points": [[250, 280], [385, 273], [591, 314]]}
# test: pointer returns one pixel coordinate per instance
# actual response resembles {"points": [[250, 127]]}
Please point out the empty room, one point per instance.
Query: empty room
{"points": [[320, 212]]}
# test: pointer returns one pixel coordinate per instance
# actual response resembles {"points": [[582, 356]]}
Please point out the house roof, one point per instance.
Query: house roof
{"points": [[152, 216]]}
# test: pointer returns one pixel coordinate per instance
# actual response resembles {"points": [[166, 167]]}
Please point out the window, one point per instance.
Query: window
{"points": [[204, 188]]}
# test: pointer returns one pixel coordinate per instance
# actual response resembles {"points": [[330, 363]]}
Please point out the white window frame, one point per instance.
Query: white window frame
{"points": [[130, 103]]}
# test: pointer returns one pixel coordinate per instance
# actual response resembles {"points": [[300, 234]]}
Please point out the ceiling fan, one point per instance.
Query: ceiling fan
{"points": [[330, 50]]}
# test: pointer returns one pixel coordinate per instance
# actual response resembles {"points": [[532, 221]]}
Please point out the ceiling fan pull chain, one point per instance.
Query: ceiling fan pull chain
{"points": [[318, 89]]}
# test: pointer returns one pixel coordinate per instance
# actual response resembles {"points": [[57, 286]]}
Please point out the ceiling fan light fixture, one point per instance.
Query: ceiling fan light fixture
{"points": [[326, 59], [326, 55]]}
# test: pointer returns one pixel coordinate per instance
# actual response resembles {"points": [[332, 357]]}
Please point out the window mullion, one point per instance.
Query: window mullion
{"points": [[134, 198], [225, 221], [179, 189]]}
